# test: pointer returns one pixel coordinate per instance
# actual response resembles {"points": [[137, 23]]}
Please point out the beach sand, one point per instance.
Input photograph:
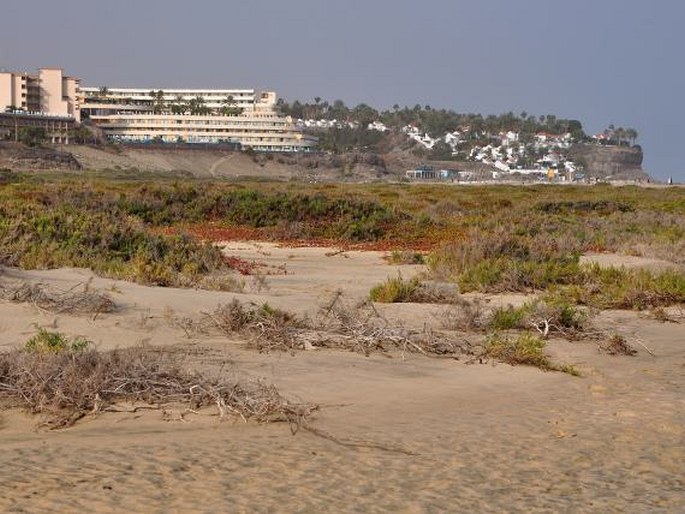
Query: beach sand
{"points": [[412, 434]]}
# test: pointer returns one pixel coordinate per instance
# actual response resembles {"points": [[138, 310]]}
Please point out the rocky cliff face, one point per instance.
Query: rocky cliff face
{"points": [[614, 162]]}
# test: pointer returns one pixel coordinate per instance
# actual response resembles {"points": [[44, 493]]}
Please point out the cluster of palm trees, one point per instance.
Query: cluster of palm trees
{"points": [[436, 122], [620, 135], [179, 105], [195, 106]]}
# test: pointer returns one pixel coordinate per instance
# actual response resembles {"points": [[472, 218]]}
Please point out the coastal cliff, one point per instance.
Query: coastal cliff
{"points": [[609, 161]]}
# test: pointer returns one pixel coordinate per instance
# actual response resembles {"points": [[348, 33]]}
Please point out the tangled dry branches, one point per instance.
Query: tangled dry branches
{"points": [[66, 386], [72, 301], [358, 328], [616, 344]]}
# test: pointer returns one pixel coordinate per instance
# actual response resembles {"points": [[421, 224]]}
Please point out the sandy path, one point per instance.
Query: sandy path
{"points": [[483, 438], [627, 261]]}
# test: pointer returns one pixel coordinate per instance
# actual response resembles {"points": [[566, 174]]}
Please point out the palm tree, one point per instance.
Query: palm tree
{"points": [[158, 104], [229, 108], [632, 135], [178, 106], [197, 106]]}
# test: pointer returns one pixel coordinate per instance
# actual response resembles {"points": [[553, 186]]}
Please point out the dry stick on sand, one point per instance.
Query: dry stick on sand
{"points": [[350, 443]]}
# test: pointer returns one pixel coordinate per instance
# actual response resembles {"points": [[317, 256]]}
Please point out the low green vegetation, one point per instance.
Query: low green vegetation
{"points": [[42, 233], [507, 318], [621, 288], [395, 290], [485, 239], [121, 230], [524, 349], [46, 341]]}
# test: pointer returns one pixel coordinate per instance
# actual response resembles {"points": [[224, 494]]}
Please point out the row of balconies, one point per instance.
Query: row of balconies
{"points": [[139, 130], [227, 124]]}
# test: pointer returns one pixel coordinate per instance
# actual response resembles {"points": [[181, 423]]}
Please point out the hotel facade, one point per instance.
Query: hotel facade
{"points": [[48, 100], [134, 115]]}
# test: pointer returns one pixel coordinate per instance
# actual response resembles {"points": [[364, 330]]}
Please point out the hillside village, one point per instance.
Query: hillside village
{"points": [[542, 155], [510, 145]]}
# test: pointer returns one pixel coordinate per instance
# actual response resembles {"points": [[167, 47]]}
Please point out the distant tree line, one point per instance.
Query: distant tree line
{"points": [[475, 129], [435, 122]]}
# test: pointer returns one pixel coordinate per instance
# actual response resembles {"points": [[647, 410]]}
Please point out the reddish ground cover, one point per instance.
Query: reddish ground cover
{"points": [[396, 239]]}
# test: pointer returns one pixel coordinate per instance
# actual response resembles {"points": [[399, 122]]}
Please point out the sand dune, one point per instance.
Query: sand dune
{"points": [[422, 434]]}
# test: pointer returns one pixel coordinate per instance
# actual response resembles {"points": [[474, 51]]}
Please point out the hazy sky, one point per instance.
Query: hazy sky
{"points": [[598, 61]]}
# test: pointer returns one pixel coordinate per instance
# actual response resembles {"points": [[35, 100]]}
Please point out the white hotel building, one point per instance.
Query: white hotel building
{"points": [[127, 115], [238, 116]]}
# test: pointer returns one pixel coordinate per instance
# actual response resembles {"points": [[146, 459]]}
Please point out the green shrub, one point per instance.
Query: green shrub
{"points": [[524, 349], [394, 290], [55, 342], [507, 318], [621, 288]]}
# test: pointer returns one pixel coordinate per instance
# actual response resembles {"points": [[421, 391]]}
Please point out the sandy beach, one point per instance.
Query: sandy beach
{"points": [[409, 433]]}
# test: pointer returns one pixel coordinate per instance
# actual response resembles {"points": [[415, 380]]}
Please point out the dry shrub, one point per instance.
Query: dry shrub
{"points": [[617, 345], [66, 386], [436, 292], [665, 316], [361, 328], [406, 257], [358, 328], [84, 301], [263, 322], [462, 314], [555, 316], [222, 282]]}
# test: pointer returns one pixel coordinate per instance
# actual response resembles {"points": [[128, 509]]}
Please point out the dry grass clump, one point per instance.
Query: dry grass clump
{"points": [[463, 314], [664, 316], [406, 257], [67, 385], [524, 349], [72, 301], [617, 345]]}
